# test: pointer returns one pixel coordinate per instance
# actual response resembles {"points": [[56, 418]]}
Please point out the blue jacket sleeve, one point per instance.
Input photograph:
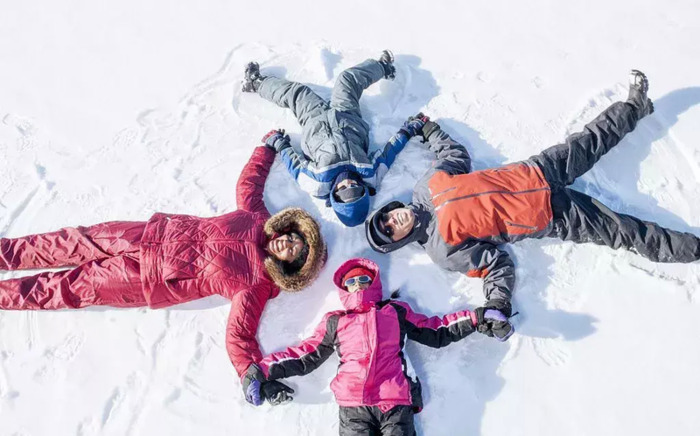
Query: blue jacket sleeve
{"points": [[384, 158], [293, 161]]}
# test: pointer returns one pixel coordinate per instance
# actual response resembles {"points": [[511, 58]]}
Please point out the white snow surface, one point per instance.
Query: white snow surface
{"points": [[114, 111]]}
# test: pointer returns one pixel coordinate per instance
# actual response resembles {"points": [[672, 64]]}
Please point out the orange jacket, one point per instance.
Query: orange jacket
{"points": [[496, 205], [462, 216]]}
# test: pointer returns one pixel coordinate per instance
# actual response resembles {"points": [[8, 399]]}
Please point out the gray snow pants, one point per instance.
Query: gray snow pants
{"points": [[306, 104], [580, 218], [370, 421], [321, 120]]}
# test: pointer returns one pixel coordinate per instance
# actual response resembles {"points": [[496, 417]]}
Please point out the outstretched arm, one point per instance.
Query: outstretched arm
{"points": [[452, 157], [251, 182], [434, 331], [384, 158], [294, 162], [246, 309], [485, 260], [280, 142], [305, 357]]}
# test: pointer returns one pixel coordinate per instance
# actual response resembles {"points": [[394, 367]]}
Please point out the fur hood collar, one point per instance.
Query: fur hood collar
{"points": [[297, 220]]}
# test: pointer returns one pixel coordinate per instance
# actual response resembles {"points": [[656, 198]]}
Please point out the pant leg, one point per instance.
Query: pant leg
{"points": [[352, 82], [563, 163], [303, 102], [358, 421], [71, 246], [580, 218], [398, 422], [114, 281]]}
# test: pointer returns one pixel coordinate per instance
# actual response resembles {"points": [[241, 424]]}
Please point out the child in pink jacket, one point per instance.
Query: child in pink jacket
{"points": [[373, 389]]}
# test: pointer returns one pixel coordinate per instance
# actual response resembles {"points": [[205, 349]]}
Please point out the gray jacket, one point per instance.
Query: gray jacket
{"points": [[335, 138]]}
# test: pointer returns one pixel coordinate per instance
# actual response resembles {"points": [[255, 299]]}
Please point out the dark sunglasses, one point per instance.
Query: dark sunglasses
{"points": [[359, 279], [386, 230]]}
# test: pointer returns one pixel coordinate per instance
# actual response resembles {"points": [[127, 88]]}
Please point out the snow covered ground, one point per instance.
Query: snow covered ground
{"points": [[118, 111]]}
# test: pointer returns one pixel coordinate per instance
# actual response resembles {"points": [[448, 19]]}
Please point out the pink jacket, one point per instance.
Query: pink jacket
{"points": [[369, 337]]}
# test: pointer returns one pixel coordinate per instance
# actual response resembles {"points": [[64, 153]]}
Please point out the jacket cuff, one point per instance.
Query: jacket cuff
{"points": [[473, 317]]}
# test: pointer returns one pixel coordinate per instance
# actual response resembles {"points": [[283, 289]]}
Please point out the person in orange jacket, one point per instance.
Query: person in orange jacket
{"points": [[461, 217]]}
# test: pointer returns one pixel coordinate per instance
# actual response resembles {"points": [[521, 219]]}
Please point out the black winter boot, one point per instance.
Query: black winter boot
{"points": [[253, 78], [639, 85], [387, 61]]}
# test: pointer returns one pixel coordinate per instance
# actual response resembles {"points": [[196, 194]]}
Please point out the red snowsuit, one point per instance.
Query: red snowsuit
{"points": [[168, 260]]}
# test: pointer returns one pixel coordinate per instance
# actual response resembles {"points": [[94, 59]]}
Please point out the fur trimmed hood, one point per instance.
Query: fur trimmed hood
{"points": [[297, 220]]}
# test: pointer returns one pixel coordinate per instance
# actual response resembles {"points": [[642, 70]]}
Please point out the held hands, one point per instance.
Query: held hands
{"points": [[257, 389], [493, 321], [276, 140], [414, 124], [277, 392], [252, 383]]}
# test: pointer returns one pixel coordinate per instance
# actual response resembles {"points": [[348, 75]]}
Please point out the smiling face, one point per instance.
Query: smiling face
{"points": [[397, 223], [286, 247]]}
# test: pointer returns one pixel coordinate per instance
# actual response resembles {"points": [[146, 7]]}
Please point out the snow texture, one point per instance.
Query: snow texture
{"points": [[114, 112]]}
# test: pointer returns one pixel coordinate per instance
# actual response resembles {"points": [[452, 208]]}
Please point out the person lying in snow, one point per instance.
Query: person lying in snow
{"points": [[373, 388], [246, 256], [460, 217], [333, 160]]}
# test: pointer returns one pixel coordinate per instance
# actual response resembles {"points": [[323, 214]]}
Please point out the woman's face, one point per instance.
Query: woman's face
{"points": [[286, 247]]}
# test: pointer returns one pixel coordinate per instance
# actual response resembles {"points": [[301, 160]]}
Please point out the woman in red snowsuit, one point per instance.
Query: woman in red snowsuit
{"points": [[246, 256]]}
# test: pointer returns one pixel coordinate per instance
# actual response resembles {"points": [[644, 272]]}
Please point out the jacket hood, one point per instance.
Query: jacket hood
{"points": [[352, 213], [366, 298], [297, 220], [378, 244]]}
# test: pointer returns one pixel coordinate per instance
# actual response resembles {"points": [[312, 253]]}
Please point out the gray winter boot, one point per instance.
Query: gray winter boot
{"points": [[387, 61], [639, 85], [253, 78]]}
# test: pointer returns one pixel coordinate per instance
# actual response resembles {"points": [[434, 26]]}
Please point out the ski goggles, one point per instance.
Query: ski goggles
{"points": [[359, 279]]}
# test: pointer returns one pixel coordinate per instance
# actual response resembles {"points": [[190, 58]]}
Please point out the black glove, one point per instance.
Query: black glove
{"points": [[414, 125], [276, 140], [483, 326], [502, 330], [276, 392], [252, 382], [492, 319], [428, 128]]}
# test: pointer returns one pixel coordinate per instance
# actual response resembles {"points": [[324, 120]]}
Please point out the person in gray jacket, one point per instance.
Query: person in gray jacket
{"points": [[461, 217], [333, 160]]}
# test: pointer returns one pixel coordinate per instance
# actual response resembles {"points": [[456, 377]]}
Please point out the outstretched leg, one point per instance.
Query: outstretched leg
{"points": [[352, 82], [114, 281], [563, 163], [357, 421], [398, 422], [580, 218], [71, 246], [303, 102]]}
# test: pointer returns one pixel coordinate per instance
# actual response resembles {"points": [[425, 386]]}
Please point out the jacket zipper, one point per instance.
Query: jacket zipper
{"points": [[371, 313], [464, 197], [443, 192], [520, 225]]}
